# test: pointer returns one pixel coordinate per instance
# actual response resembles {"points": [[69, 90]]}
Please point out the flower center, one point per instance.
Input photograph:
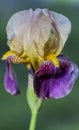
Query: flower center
{"points": [[52, 58], [35, 63]]}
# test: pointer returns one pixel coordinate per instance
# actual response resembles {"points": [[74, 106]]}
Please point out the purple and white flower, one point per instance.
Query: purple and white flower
{"points": [[36, 39]]}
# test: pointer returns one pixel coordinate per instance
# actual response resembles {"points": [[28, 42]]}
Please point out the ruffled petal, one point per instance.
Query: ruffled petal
{"points": [[10, 80], [42, 30], [41, 79], [58, 85], [63, 25]]}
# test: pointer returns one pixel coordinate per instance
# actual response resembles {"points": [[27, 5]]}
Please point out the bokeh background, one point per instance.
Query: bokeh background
{"points": [[62, 114]]}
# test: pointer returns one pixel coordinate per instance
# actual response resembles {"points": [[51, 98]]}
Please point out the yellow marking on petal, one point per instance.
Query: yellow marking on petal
{"points": [[37, 62], [28, 66], [53, 58], [14, 58], [8, 54]]}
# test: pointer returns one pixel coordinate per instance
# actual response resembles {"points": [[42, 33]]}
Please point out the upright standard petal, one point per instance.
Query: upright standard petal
{"points": [[58, 85], [63, 25], [62, 29], [10, 80], [41, 30]]}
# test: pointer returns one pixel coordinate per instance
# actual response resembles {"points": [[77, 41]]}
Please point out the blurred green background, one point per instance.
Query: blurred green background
{"points": [[62, 114]]}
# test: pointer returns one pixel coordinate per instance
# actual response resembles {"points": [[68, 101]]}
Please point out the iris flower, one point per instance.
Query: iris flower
{"points": [[36, 39]]}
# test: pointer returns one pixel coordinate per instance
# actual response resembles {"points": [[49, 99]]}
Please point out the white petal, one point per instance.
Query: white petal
{"points": [[37, 32], [17, 22], [63, 25]]}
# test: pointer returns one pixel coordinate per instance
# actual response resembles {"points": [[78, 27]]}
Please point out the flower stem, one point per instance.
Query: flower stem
{"points": [[33, 121], [34, 102]]}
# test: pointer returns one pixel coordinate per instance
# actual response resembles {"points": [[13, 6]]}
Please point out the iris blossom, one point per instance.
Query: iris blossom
{"points": [[36, 39]]}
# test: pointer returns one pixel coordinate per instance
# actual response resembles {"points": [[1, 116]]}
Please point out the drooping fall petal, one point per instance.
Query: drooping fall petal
{"points": [[10, 80], [58, 83]]}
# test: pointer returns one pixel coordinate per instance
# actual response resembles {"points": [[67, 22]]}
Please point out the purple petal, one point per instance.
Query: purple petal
{"points": [[46, 68], [58, 83], [10, 80], [41, 79]]}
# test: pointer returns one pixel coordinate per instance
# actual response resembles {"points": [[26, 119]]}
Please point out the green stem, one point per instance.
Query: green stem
{"points": [[33, 121], [33, 101]]}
